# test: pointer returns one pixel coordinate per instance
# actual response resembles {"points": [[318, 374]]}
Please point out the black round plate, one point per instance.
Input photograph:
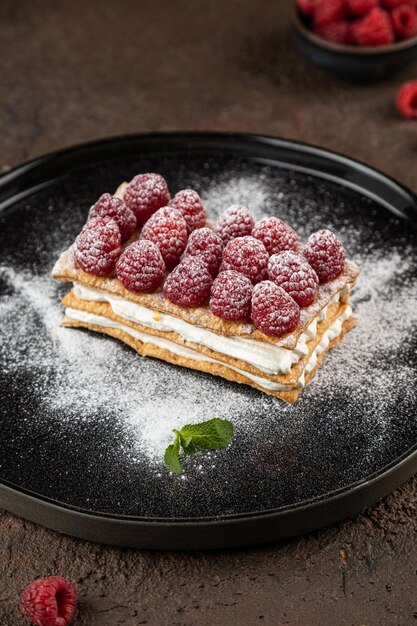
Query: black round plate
{"points": [[84, 420]]}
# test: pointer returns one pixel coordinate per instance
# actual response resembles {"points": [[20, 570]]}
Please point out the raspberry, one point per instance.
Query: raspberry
{"points": [[189, 283], [248, 256], [407, 100], [307, 7], [141, 267], [291, 271], [207, 246], [189, 203], [361, 7], [393, 4], [274, 312], [404, 21], [167, 228], [49, 601], [329, 11], [374, 29], [98, 246], [110, 206], [231, 295], [275, 234], [339, 32], [145, 194], [236, 221], [325, 254]]}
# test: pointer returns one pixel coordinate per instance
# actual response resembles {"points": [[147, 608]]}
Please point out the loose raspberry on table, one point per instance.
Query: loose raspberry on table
{"points": [[189, 283], [406, 100], [329, 11], [275, 234], [49, 601], [307, 7], [404, 21], [236, 221], [325, 254], [168, 230], [207, 246], [110, 206], [231, 295], [248, 256], [190, 205], [339, 32], [145, 194], [98, 246], [360, 7], [274, 312], [291, 271], [374, 29], [141, 267]]}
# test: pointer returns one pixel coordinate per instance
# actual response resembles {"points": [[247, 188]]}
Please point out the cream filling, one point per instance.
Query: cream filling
{"points": [[264, 356], [332, 332]]}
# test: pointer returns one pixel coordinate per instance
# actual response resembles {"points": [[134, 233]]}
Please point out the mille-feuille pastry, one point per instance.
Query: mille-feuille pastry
{"points": [[244, 301]]}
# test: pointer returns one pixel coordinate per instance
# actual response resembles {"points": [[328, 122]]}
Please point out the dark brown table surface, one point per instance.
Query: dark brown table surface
{"points": [[75, 71]]}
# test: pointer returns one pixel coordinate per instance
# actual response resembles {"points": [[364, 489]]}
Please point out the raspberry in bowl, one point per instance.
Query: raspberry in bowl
{"points": [[358, 40]]}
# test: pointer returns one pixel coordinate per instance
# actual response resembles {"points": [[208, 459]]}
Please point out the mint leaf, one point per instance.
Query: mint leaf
{"points": [[211, 435], [171, 457], [189, 449]]}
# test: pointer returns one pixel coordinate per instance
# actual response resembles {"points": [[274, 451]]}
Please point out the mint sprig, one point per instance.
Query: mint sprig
{"points": [[211, 435]]}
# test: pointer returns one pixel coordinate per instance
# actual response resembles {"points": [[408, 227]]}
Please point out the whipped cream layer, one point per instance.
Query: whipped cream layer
{"points": [[332, 332], [264, 356]]}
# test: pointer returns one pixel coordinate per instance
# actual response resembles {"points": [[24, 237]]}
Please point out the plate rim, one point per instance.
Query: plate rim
{"points": [[259, 138]]}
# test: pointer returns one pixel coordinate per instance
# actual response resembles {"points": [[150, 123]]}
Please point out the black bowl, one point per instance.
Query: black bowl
{"points": [[360, 64]]}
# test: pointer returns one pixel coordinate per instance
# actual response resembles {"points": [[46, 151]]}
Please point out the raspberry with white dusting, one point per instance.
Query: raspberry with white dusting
{"points": [[325, 254], [274, 312], [141, 267], [98, 246], [168, 230], [294, 274], [247, 256], [231, 295], [275, 234], [111, 206], [189, 283], [190, 205], [236, 221], [207, 246], [145, 194]]}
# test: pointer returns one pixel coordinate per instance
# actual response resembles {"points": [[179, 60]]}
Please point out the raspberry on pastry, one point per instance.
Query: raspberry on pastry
{"points": [[98, 246]]}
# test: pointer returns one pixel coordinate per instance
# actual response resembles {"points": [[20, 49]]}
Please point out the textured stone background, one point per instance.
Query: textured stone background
{"points": [[74, 71]]}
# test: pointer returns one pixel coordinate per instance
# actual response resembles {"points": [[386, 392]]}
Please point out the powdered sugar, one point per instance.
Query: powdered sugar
{"points": [[353, 399], [89, 366], [249, 191]]}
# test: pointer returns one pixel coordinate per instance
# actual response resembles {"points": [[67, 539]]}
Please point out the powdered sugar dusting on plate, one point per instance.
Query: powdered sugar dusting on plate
{"points": [[80, 374]]}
